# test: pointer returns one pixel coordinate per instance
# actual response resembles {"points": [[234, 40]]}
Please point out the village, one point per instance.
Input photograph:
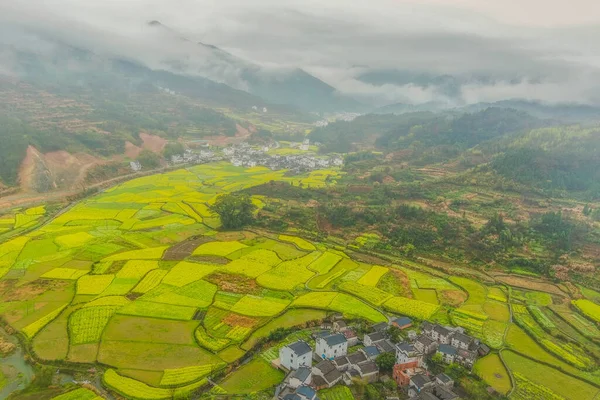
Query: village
{"points": [[340, 357], [299, 160]]}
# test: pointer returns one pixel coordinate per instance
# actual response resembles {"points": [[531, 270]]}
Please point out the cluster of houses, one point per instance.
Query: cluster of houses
{"points": [[190, 156], [244, 155], [330, 362]]}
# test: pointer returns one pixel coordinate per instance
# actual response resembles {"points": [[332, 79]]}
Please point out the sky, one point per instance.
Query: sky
{"points": [[494, 49]]}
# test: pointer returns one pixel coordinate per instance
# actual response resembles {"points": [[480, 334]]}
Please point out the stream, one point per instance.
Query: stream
{"points": [[17, 372]]}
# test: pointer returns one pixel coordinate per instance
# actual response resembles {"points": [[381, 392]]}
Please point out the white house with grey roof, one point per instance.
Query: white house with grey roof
{"points": [[332, 346], [299, 377], [296, 355]]}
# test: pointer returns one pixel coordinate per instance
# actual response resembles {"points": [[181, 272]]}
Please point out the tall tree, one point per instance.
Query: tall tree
{"points": [[235, 210]]}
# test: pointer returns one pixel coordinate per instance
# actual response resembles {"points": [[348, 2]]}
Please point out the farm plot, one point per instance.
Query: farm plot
{"points": [[477, 292], [336, 393], [527, 390], [420, 280], [412, 308], [351, 306], [373, 275], [93, 284], [64, 273], [74, 240], [219, 248], [491, 369], [132, 389], [158, 310], [255, 376], [580, 323], [588, 308], [325, 263], [253, 264], [150, 281], [299, 242], [550, 378], [541, 318], [136, 269], [86, 325], [254, 306], [288, 274], [319, 300], [78, 394], [569, 352], [186, 272], [183, 376], [154, 253], [209, 342], [33, 328], [368, 293], [326, 280]]}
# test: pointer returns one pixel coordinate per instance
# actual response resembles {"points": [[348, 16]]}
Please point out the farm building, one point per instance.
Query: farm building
{"points": [[402, 323], [332, 346], [295, 355]]}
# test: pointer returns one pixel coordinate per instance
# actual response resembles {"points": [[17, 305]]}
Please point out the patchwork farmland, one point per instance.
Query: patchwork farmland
{"points": [[141, 282]]}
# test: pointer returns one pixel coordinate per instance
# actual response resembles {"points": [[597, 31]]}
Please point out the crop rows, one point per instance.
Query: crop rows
{"points": [[158, 310], [411, 308], [150, 281], [78, 394], [219, 248], [588, 308], [299, 242], [182, 376], [93, 284], [371, 294], [259, 306], [373, 275], [33, 328], [288, 274], [325, 263], [86, 325], [209, 342], [64, 273]]}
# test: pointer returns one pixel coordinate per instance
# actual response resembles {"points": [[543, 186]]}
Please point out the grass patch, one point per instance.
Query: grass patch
{"points": [[255, 376]]}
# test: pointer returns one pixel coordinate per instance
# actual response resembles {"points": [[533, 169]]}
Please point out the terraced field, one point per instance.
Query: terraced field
{"points": [[109, 282]]}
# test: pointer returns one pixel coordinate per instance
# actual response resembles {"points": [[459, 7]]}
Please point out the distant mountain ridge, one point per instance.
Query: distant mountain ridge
{"points": [[295, 87]]}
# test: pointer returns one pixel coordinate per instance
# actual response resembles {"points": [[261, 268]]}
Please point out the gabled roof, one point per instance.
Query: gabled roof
{"points": [[357, 357], [426, 326], [332, 376], [340, 361], [443, 378], [420, 380], [403, 321], [341, 324], [406, 347], [291, 396], [447, 349], [301, 374], [349, 334], [300, 347], [425, 340], [441, 330], [443, 393], [368, 367], [375, 336], [461, 337], [426, 396], [379, 327], [325, 366], [334, 340], [371, 351], [317, 381], [468, 355], [385, 346]]}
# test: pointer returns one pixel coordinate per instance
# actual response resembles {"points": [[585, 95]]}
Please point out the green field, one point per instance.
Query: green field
{"points": [[107, 282]]}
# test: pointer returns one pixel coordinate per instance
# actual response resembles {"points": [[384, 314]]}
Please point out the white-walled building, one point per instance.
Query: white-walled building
{"points": [[295, 355], [332, 346]]}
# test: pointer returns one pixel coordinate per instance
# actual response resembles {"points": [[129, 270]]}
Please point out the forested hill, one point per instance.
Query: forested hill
{"points": [[534, 153]]}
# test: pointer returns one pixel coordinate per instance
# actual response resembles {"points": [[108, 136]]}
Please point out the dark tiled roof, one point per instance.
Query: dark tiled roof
{"points": [[443, 378], [385, 346], [403, 321], [443, 393], [301, 374], [426, 396], [382, 326], [469, 355], [357, 357], [375, 336], [425, 340], [341, 360], [426, 326], [447, 349], [332, 376], [368, 367], [461, 337], [341, 324], [371, 351], [420, 380], [291, 396], [325, 366], [406, 347], [333, 340], [306, 391], [441, 330], [300, 347], [317, 381]]}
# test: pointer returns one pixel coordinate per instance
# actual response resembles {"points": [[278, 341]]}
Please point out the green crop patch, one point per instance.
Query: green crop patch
{"points": [[371, 294], [219, 248], [150, 281], [158, 310], [373, 275], [412, 308], [288, 274], [93, 284], [253, 264], [78, 394], [588, 308], [86, 325], [64, 273], [259, 306], [187, 272], [299, 242], [491, 369], [183, 376], [325, 263]]}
